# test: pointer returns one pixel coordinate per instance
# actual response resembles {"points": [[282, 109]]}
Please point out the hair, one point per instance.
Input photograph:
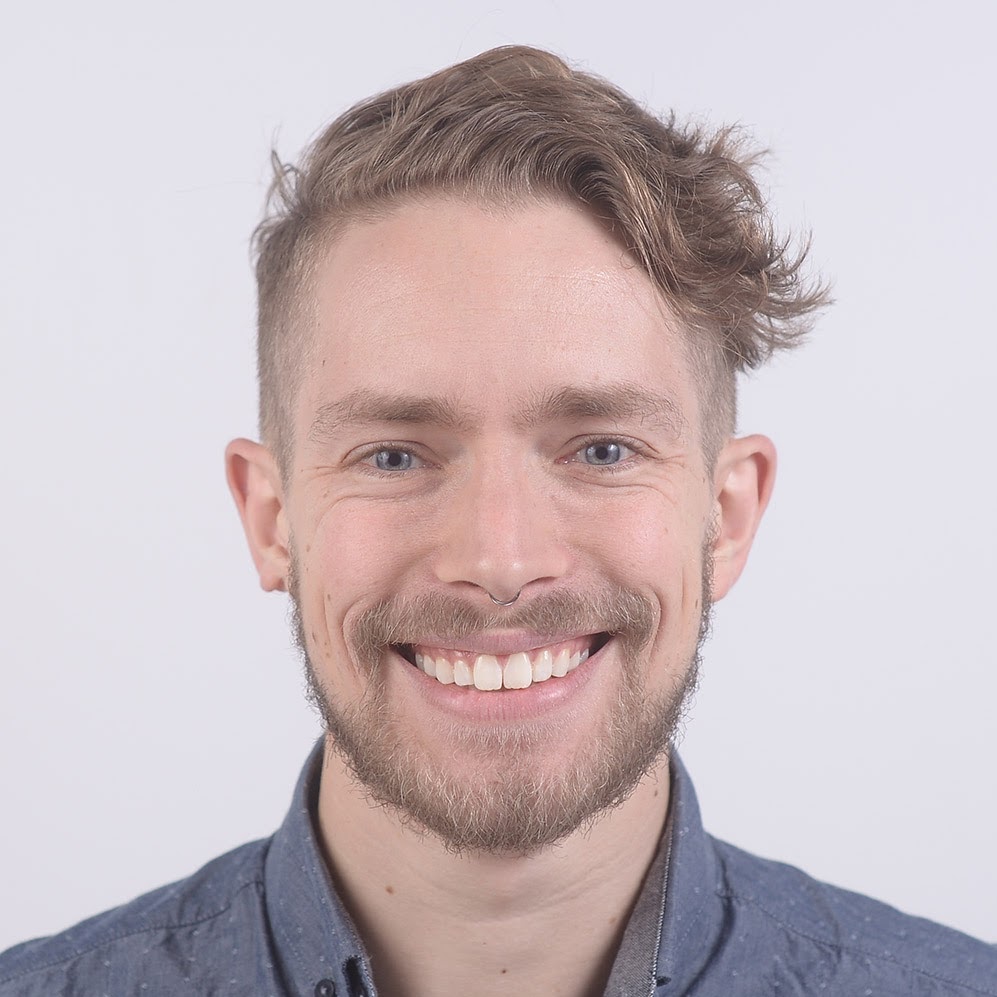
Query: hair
{"points": [[515, 124]]}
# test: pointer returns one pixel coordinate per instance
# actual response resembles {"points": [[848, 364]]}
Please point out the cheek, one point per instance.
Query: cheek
{"points": [[649, 542], [644, 535], [361, 547], [355, 557]]}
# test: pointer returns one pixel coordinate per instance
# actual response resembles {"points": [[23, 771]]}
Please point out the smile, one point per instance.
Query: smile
{"points": [[491, 672]]}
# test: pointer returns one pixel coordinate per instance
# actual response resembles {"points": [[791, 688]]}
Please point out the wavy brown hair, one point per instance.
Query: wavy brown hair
{"points": [[516, 123]]}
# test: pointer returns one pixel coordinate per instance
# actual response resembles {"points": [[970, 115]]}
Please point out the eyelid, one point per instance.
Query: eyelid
{"points": [[363, 456], [578, 445]]}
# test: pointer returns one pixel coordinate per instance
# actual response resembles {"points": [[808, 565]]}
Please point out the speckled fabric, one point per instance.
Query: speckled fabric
{"points": [[713, 921]]}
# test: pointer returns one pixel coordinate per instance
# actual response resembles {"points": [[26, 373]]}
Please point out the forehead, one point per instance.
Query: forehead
{"points": [[488, 310]]}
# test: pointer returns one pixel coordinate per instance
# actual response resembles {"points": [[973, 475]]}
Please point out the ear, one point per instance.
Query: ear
{"points": [[255, 484], [742, 482]]}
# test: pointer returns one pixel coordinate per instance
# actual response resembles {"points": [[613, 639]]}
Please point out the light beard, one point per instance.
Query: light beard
{"points": [[515, 806]]}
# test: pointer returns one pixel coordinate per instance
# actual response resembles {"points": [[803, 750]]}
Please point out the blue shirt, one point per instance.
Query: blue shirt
{"points": [[712, 921]]}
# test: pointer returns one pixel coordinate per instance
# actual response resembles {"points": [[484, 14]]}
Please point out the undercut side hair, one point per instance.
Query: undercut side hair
{"points": [[517, 123]]}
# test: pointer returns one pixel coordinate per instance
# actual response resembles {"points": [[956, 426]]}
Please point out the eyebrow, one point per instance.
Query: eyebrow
{"points": [[616, 402], [364, 406]]}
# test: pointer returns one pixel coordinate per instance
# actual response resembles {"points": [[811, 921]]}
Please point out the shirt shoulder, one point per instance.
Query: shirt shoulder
{"points": [[163, 939], [793, 927]]}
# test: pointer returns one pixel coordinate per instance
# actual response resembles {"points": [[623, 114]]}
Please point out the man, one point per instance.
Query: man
{"points": [[501, 313]]}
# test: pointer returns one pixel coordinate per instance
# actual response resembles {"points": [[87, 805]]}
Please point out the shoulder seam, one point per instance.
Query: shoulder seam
{"points": [[131, 934], [729, 895]]}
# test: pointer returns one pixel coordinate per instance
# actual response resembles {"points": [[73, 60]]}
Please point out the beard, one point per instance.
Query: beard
{"points": [[509, 805]]}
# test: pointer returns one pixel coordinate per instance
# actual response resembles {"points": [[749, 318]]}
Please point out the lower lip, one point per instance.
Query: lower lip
{"points": [[504, 705]]}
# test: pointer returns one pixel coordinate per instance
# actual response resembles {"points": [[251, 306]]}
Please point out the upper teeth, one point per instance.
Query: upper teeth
{"points": [[487, 673]]}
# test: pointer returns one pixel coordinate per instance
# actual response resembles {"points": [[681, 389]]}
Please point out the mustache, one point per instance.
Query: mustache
{"points": [[622, 613]]}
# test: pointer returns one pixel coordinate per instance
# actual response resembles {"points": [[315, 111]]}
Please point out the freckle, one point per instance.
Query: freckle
{"points": [[389, 889], [655, 794], [308, 548], [612, 920]]}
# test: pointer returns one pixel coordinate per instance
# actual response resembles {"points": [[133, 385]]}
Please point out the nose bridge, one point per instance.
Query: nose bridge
{"points": [[501, 530]]}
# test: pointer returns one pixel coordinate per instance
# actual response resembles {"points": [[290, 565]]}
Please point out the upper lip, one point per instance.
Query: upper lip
{"points": [[497, 643]]}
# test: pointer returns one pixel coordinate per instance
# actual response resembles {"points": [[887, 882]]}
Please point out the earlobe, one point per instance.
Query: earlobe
{"points": [[255, 485], [745, 474]]}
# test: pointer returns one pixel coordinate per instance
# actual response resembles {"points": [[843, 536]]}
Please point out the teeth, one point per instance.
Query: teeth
{"points": [[518, 672], [576, 659], [560, 667], [444, 671], [462, 673], [542, 666], [487, 673]]}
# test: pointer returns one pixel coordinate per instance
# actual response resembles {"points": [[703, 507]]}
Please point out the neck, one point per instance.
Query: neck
{"points": [[438, 923]]}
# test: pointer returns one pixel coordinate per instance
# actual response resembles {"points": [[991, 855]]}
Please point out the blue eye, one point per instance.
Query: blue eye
{"points": [[393, 460], [602, 453]]}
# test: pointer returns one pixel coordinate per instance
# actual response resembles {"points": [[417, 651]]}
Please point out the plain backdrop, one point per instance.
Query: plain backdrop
{"points": [[151, 710]]}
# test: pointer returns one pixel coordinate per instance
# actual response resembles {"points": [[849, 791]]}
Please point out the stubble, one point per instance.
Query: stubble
{"points": [[511, 805]]}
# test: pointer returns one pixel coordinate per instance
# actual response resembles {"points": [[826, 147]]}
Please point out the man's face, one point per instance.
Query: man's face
{"points": [[497, 402]]}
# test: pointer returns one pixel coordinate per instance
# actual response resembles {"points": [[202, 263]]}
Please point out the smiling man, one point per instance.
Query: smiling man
{"points": [[502, 311], [496, 525]]}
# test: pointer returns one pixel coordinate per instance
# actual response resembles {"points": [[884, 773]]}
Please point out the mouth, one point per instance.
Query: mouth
{"points": [[495, 672]]}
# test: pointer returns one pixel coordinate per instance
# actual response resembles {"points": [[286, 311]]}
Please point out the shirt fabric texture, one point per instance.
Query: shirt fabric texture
{"points": [[712, 921]]}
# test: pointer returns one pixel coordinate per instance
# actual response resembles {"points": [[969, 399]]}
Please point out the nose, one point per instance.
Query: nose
{"points": [[501, 534]]}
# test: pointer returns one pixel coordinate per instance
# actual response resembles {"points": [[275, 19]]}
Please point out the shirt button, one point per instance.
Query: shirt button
{"points": [[325, 988]]}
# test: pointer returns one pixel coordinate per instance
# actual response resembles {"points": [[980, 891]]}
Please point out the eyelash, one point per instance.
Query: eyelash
{"points": [[363, 459], [621, 465]]}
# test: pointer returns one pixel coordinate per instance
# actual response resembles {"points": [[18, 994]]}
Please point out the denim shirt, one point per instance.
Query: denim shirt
{"points": [[711, 921]]}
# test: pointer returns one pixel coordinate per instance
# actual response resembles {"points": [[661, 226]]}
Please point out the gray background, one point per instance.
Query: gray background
{"points": [[151, 712]]}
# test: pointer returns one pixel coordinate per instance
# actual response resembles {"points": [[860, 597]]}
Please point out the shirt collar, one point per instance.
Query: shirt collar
{"points": [[692, 921], [314, 937]]}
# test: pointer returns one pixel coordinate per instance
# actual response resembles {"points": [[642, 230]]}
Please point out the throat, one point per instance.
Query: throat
{"points": [[527, 948], [496, 925]]}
